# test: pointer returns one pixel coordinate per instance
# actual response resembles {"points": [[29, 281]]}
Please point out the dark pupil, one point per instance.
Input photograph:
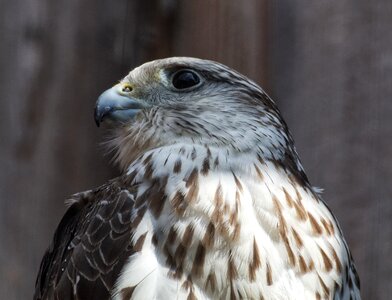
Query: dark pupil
{"points": [[185, 79]]}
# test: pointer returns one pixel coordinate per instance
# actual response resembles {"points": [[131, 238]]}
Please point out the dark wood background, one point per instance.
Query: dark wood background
{"points": [[328, 64]]}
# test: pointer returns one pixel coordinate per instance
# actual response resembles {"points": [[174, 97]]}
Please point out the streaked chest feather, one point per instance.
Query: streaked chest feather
{"points": [[210, 224]]}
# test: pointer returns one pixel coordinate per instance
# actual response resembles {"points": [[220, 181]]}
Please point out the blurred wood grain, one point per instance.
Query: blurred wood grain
{"points": [[328, 64], [331, 72]]}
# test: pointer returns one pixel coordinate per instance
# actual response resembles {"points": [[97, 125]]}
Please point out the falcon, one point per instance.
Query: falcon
{"points": [[212, 203]]}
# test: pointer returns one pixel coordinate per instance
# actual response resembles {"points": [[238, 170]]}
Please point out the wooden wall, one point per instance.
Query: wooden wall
{"points": [[328, 64], [331, 72]]}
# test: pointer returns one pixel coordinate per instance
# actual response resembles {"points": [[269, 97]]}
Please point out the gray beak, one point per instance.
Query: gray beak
{"points": [[115, 105]]}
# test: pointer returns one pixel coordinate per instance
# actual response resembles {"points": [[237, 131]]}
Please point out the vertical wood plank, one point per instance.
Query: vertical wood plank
{"points": [[55, 59], [231, 32], [331, 70]]}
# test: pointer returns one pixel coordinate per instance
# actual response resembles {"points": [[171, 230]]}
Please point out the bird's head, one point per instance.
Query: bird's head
{"points": [[189, 100]]}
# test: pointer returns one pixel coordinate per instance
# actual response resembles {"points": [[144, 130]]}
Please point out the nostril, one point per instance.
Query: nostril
{"points": [[126, 89]]}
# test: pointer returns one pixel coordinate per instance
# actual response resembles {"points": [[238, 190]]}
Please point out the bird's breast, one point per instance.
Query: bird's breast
{"points": [[214, 225]]}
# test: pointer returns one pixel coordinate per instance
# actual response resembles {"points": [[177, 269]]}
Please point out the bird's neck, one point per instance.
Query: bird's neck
{"points": [[183, 158]]}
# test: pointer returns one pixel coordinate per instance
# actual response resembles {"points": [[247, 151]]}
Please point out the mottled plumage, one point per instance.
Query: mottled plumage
{"points": [[213, 202]]}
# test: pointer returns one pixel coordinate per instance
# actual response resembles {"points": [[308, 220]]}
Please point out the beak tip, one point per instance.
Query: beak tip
{"points": [[112, 105]]}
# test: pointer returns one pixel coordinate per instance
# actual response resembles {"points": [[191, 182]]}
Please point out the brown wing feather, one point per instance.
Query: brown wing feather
{"points": [[89, 247]]}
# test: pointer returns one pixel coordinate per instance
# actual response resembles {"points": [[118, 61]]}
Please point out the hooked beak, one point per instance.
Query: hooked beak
{"points": [[115, 105]]}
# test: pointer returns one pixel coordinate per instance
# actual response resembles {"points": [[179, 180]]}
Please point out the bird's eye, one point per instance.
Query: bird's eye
{"points": [[184, 79]]}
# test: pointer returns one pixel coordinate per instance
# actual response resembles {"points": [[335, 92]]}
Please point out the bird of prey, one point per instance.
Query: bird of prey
{"points": [[212, 203]]}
